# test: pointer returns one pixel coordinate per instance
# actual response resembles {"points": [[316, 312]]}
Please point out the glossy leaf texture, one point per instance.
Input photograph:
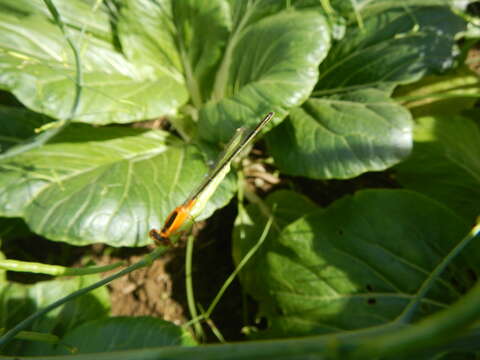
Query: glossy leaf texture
{"points": [[400, 45], [350, 125], [111, 185], [355, 264], [236, 61], [342, 136], [123, 333], [445, 163], [270, 64], [76, 14], [18, 300], [184, 38], [37, 66]]}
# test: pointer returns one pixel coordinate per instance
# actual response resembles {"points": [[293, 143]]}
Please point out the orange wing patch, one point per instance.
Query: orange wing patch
{"points": [[174, 221]]}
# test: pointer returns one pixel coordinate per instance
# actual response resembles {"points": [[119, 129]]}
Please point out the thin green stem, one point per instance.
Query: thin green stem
{"points": [[189, 288], [55, 270], [264, 208], [190, 80], [36, 336], [241, 210], [370, 343], [221, 77], [215, 331], [78, 64], [45, 136], [239, 267], [434, 330], [437, 96], [193, 321], [211, 325], [318, 347], [241, 188], [245, 312], [327, 7], [24, 324], [366, 343], [358, 16], [410, 309]]}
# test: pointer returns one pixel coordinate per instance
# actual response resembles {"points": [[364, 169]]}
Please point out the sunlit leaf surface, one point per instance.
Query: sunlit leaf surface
{"points": [[269, 65], [342, 136], [343, 131], [182, 38], [37, 66], [110, 185]]}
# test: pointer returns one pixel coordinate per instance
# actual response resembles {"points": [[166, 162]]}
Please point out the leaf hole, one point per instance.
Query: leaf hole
{"points": [[369, 288], [371, 301]]}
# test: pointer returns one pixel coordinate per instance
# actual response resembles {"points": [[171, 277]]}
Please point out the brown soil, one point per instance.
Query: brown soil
{"points": [[159, 290], [147, 291]]}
